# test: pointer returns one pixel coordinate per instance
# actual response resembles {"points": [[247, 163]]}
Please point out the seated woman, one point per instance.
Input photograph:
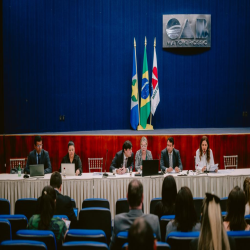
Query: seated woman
{"points": [[246, 187], [235, 221], [72, 157], [213, 234], [142, 154], [168, 194], [204, 156], [45, 220], [185, 214]]}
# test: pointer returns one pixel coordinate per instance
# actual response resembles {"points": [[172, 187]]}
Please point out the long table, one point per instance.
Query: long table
{"points": [[91, 185]]}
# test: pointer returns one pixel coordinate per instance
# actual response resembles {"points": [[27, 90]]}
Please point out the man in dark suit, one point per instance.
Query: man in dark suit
{"points": [[38, 156], [63, 202], [122, 222], [170, 157], [123, 159]]}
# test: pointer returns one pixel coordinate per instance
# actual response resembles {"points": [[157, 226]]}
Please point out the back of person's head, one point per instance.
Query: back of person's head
{"points": [[135, 193], [47, 207], [126, 145], [56, 180], [213, 235], [37, 138], [185, 214], [246, 187], [236, 209], [169, 191], [140, 235]]}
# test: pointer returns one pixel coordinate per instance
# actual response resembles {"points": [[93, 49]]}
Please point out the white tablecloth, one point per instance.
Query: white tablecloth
{"points": [[112, 188]]}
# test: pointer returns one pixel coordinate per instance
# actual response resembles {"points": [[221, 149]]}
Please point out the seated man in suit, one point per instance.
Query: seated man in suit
{"points": [[63, 202], [123, 160], [122, 222], [170, 157], [38, 156]]}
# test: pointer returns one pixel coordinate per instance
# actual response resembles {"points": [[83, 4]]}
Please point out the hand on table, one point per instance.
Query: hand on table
{"points": [[170, 169], [176, 169], [77, 172]]}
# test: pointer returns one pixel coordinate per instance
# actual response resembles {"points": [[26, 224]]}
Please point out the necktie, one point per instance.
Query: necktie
{"points": [[39, 157], [126, 160], [170, 161]]}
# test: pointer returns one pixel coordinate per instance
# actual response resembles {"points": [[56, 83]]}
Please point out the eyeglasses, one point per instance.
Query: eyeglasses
{"points": [[210, 197], [39, 146], [143, 146]]}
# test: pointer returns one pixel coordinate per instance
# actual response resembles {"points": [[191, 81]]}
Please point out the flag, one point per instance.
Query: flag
{"points": [[134, 113], [145, 99], [155, 91]]}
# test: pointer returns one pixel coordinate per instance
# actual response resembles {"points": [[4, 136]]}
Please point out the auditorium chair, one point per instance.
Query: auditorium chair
{"points": [[153, 204], [26, 207], [122, 206], [198, 201], [86, 235], [163, 224], [247, 218], [95, 202], [22, 244], [85, 245], [181, 240], [4, 206], [160, 246], [46, 236], [96, 218], [73, 202], [121, 239], [241, 238], [223, 204], [17, 221], [5, 230], [61, 216]]}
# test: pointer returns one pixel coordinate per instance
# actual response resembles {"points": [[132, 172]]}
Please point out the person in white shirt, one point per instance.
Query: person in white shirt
{"points": [[204, 156]]}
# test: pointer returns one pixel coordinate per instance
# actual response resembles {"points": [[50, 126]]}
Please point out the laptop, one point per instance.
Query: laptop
{"points": [[150, 167], [68, 169], [37, 170]]}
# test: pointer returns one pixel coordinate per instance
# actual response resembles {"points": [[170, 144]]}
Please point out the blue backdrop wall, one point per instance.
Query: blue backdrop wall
{"points": [[74, 58]]}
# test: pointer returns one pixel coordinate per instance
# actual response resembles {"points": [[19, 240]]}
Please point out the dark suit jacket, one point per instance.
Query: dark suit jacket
{"points": [[32, 160], [118, 160], [165, 159]]}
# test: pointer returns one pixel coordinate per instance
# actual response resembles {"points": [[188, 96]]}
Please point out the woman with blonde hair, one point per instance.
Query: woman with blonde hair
{"points": [[213, 235], [246, 187], [142, 154]]}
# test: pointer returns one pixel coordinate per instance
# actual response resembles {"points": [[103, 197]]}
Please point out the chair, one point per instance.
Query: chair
{"points": [[73, 202], [5, 229], [198, 204], [163, 224], [181, 240], [45, 236], [153, 204], [160, 245], [122, 206], [22, 244], [223, 204], [17, 221], [61, 216], [81, 245], [26, 207], [241, 238], [231, 161], [95, 202], [95, 164], [76, 212], [86, 235], [247, 218], [121, 239], [4, 206], [96, 218]]}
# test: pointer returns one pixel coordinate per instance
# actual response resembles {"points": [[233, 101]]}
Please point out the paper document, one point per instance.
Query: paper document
{"points": [[213, 168]]}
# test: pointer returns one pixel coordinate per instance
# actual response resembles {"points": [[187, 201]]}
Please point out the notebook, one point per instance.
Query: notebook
{"points": [[150, 167]]}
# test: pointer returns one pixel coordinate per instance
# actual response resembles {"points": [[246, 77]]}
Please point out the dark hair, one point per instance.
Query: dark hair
{"points": [[236, 209], [140, 235], [171, 140], [47, 207], [246, 187], [56, 180], [185, 214], [204, 138], [37, 138], [168, 193], [126, 145], [71, 144], [135, 191]]}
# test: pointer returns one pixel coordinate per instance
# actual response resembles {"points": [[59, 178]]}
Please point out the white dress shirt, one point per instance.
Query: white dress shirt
{"points": [[200, 163]]}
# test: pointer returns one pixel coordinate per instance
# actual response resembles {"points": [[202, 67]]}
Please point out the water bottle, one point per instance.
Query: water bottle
{"points": [[19, 170]]}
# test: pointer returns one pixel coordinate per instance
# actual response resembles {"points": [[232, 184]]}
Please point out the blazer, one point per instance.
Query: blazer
{"points": [[32, 160], [138, 158], [122, 222], [118, 160], [76, 160], [165, 159]]}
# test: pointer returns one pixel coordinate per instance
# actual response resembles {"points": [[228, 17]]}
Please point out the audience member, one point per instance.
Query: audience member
{"points": [[122, 222], [246, 187], [168, 194], [185, 214], [234, 220]]}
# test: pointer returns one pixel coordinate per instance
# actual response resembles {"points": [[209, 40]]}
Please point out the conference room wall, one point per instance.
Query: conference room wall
{"points": [[88, 146], [74, 58]]}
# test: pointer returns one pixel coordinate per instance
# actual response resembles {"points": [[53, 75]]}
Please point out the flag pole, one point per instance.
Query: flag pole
{"points": [[137, 81], [151, 83]]}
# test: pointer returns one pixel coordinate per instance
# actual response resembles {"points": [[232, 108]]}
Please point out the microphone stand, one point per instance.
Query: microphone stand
{"points": [[105, 174]]}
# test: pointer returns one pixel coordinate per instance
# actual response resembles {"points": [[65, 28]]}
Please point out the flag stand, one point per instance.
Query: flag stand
{"points": [[148, 127]]}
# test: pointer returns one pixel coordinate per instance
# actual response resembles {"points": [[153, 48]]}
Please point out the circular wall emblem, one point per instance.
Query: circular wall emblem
{"points": [[173, 28]]}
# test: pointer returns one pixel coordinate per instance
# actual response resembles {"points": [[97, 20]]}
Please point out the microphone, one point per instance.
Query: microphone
{"points": [[105, 174], [162, 173]]}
